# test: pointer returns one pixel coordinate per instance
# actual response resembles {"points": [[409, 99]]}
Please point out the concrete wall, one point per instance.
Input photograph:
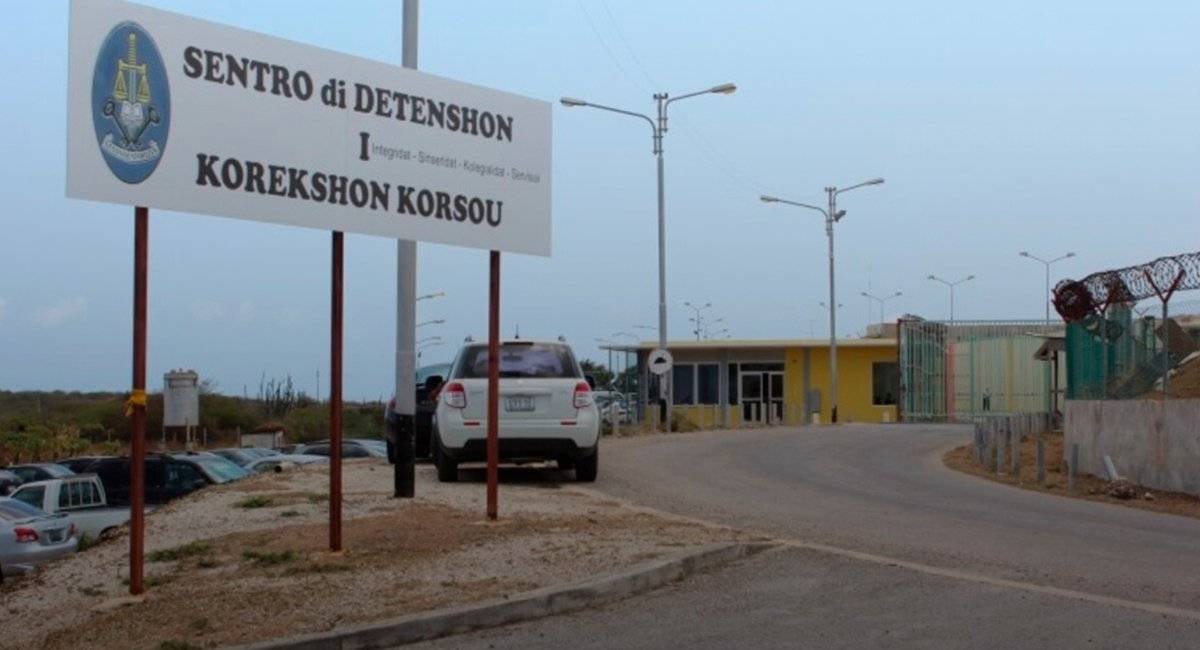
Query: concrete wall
{"points": [[1153, 443]]}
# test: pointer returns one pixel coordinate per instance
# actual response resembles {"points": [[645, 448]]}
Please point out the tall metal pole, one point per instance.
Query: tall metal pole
{"points": [[335, 393], [404, 471], [493, 387], [137, 401], [666, 382], [1047, 294], [833, 374], [952, 304]]}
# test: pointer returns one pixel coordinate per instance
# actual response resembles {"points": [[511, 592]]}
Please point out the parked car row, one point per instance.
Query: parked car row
{"points": [[46, 508]]}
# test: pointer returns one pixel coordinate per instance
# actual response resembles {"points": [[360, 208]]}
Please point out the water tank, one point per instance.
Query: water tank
{"points": [[181, 398]]}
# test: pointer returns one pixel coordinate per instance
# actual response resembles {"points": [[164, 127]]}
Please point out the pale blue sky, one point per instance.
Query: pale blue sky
{"points": [[999, 127]]}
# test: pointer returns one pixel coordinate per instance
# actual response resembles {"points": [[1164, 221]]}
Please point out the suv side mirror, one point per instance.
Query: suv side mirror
{"points": [[591, 381], [434, 382]]}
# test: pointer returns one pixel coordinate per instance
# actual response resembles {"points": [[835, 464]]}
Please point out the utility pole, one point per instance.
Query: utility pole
{"points": [[404, 470]]}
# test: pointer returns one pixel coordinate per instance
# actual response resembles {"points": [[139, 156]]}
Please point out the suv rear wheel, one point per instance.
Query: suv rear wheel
{"points": [[586, 468], [447, 468]]}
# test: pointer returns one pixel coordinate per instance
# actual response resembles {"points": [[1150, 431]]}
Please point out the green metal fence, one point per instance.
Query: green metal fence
{"points": [[1113, 356], [968, 370]]}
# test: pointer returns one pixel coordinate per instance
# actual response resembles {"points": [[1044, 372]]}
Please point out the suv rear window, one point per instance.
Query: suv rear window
{"points": [[529, 360]]}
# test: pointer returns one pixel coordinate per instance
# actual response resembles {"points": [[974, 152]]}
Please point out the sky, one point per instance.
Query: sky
{"points": [[999, 127]]}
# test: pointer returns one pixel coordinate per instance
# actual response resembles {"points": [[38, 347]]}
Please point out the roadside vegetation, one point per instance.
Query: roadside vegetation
{"points": [[43, 425]]}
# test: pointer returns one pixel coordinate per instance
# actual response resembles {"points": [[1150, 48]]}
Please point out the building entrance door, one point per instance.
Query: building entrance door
{"points": [[762, 396]]}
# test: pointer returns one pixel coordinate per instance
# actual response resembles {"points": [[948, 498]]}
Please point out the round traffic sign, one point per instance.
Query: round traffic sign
{"points": [[660, 361]]}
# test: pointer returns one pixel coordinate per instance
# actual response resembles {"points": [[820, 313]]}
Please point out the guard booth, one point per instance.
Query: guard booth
{"points": [[749, 383]]}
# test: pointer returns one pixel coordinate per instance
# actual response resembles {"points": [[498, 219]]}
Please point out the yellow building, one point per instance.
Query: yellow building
{"points": [[736, 383]]}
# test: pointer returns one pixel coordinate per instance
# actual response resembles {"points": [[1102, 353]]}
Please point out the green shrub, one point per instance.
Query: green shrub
{"points": [[191, 549], [256, 501], [268, 558]]}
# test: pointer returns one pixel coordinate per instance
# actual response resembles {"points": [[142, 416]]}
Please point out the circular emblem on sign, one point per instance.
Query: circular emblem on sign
{"points": [[131, 103], [660, 361]]}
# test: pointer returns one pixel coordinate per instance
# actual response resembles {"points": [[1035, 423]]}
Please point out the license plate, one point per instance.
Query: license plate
{"points": [[518, 403], [55, 535]]}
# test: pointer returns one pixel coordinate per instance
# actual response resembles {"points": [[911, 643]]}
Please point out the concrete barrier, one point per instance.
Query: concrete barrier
{"points": [[1151, 442]]}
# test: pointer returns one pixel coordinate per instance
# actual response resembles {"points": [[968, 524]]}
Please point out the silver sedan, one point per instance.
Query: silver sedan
{"points": [[29, 537]]}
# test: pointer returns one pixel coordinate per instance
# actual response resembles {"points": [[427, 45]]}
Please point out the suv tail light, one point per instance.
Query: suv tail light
{"points": [[583, 395], [26, 535], [455, 395]]}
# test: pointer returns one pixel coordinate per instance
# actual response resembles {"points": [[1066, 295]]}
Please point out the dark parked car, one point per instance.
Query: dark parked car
{"points": [[40, 472], [350, 449], [78, 464], [167, 477], [429, 380], [8, 482]]}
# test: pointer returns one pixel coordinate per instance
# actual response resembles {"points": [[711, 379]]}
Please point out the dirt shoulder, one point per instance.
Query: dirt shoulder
{"points": [[248, 561], [1087, 486]]}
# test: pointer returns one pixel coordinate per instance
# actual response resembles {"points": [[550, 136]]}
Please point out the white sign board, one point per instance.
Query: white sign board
{"points": [[171, 112], [660, 361]]}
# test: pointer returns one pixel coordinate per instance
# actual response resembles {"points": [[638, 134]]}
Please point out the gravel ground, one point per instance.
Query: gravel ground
{"points": [[1088, 486], [219, 572]]}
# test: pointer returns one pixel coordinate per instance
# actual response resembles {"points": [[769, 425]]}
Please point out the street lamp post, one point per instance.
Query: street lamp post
{"points": [[658, 128], [881, 300], [832, 216], [951, 285], [698, 318], [1047, 264]]}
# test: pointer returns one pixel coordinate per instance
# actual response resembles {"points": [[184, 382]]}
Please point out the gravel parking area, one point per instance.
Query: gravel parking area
{"points": [[248, 561]]}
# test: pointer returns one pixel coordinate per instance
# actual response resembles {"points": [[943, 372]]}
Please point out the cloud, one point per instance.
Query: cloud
{"points": [[207, 310], [61, 312], [247, 310]]}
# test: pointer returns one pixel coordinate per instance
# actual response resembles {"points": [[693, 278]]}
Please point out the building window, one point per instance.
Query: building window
{"points": [[683, 382], [732, 383], [708, 383], [885, 383]]}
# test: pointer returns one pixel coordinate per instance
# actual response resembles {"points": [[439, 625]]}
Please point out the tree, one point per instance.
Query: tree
{"points": [[602, 375]]}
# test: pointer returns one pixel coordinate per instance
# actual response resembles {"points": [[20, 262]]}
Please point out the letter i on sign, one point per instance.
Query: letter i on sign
{"points": [[364, 137]]}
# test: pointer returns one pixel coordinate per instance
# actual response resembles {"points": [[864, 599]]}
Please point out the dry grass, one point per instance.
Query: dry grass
{"points": [[220, 575], [1087, 486]]}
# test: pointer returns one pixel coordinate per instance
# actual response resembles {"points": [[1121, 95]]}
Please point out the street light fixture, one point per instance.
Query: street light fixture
{"points": [[881, 300], [430, 344], [1047, 264], [658, 128], [697, 318], [832, 216], [951, 285]]}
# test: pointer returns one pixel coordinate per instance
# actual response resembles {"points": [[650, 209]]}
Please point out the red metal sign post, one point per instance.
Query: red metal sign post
{"points": [[135, 408], [493, 387], [335, 397]]}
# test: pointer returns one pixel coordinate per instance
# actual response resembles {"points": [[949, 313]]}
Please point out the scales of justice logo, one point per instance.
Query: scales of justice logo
{"points": [[131, 103]]}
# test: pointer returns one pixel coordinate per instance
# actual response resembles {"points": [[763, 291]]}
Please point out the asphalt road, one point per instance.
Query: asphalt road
{"points": [[885, 547]]}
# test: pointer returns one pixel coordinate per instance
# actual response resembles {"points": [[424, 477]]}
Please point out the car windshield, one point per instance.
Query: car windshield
{"points": [[425, 372], [221, 470], [12, 510], [57, 471], [530, 360]]}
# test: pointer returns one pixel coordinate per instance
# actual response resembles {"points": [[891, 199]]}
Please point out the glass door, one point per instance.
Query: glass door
{"points": [[774, 403], [752, 396]]}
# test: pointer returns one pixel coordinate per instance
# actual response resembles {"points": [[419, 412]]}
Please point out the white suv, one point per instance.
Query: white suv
{"points": [[546, 409]]}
